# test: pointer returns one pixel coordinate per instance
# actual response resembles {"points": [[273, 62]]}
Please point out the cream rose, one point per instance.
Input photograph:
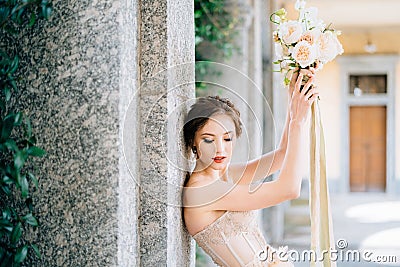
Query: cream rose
{"points": [[304, 53], [290, 31], [311, 37], [329, 47]]}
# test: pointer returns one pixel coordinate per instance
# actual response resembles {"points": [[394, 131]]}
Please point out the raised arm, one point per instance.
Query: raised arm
{"points": [[224, 196], [269, 163]]}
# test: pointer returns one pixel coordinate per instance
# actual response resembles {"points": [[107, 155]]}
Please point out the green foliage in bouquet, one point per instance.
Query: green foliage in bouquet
{"points": [[17, 142]]}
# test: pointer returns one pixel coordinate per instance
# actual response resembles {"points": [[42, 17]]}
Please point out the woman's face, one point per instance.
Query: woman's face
{"points": [[214, 142]]}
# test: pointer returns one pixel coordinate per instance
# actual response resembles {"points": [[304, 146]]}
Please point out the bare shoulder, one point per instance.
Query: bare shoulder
{"points": [[197, 180], [201, 192]]}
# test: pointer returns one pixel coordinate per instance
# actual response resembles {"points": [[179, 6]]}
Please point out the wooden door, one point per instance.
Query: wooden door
{"points": [[367, 148]]}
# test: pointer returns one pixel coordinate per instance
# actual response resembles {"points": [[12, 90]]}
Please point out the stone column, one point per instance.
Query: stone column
{"points": [[102, 201], [166, 40]]}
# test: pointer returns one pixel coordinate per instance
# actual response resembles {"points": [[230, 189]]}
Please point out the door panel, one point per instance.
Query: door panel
{"points": [[367, 148]]}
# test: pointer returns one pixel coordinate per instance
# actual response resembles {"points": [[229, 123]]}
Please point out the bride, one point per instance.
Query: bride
{"points": [[218, 198]]}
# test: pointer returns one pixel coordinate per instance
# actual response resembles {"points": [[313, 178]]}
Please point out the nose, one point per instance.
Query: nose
{"points": [[220, 146]]}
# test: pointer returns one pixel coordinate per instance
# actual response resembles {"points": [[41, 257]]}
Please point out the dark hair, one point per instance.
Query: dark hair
{"points": [[202, 110]]}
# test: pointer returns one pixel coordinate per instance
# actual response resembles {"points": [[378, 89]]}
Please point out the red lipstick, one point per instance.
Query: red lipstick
{"points": [[219, 159]]}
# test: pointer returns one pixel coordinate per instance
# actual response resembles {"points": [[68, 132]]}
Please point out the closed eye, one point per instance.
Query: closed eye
{"points": [[228, 139], [208, 140]]}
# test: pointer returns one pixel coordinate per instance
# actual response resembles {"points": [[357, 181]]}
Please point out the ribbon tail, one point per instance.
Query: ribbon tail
{"points": [[322, 239]]}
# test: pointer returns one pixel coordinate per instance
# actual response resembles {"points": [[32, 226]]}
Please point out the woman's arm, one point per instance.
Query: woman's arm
{"points": [[269, 163], [224, 196]]}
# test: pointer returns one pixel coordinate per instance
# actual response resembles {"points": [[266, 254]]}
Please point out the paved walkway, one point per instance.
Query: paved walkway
{"points": [[363, 222]]}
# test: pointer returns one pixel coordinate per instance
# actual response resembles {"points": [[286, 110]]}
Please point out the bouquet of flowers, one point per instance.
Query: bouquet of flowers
{"points": [[300, 44], [305, 42]]}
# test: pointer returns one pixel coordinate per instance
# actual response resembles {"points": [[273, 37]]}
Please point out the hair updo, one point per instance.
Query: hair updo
{"points": [[201, 111]]}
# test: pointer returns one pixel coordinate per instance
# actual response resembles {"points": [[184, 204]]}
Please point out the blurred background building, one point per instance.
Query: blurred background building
{"points": [[359, 92]]}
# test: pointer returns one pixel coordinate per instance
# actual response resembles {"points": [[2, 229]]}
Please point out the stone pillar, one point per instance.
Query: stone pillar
{"points": [[101, 202], [166, 40]]}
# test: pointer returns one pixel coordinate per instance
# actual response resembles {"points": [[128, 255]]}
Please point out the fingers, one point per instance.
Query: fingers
{"points": [[298, 84], [312, 98], [307, 86], [311, 95]]}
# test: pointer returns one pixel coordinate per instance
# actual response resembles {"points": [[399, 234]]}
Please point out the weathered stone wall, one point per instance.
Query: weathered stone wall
{"points": [[85, 72]]}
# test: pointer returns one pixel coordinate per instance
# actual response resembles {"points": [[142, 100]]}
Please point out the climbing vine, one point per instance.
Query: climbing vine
{"points": [[17, 141]]}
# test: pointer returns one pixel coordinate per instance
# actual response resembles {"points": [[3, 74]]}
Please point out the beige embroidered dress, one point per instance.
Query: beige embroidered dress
{"points": [[235, 239]]}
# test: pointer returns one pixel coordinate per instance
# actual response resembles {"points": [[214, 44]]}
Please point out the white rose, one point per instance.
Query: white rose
{"points": [[290, 31], [304, 53], [329, 47], [311, 36]]}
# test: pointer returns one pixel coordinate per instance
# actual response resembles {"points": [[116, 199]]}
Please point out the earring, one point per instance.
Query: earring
{"points": [[194, 149]]}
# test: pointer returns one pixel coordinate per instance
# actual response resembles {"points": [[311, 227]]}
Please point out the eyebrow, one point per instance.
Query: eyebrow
{"points": [[214, 134]]}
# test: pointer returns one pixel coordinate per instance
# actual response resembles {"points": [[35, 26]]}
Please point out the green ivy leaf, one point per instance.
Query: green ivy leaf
{"points": [[2, 104], [37, 252], [16, 233], [36, 151], [34, 179], [7, 180], [13, 84], [18, 118], [6, 225], [6, 189], [6, 214], [36, 249], [7, 93], [49, 11], [23, 183], [18, 18], [21, 254], [7, 127], [11, 145], [30, 219], [19, 159], [14, 65], [32, 140], [29, 204], [32, 20]]}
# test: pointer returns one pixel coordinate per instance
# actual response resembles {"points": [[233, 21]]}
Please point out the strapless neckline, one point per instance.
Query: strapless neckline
{"points": [[211, 224]]}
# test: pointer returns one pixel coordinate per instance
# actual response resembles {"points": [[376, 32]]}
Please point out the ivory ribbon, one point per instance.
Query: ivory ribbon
{"points": [[321, 221]]}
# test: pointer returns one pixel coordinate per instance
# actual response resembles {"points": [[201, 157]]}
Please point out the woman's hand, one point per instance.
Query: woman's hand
{"points": [[309, 72], [301, 102]]}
